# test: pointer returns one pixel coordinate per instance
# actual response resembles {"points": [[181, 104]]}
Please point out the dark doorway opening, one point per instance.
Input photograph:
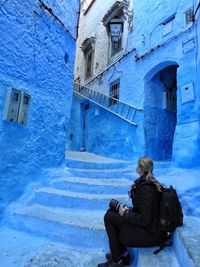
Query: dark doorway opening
{"points": [[160, 113], [85, 114]]}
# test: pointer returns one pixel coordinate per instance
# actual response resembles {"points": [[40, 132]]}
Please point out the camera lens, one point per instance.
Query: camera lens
{"points": [[114, 205]]}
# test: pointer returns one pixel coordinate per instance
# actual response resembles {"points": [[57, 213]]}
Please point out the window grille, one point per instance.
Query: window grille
{"points": [[116, 47], [88, 49], [89, 63], [189, 16], [114, 92], [170, 100]]}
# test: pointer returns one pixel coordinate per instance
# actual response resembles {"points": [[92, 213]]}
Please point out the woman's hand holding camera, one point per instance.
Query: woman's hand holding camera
{"points": [[122, 209]]}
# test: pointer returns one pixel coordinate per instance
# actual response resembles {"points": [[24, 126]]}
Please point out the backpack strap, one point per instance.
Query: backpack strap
{"points": [[166, 243], [158, 250]]}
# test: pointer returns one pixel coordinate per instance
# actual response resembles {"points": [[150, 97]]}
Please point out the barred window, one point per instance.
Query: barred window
{"points": [[189, 17], [114, 92], [116, 47], [89, 63], [88, 50]]}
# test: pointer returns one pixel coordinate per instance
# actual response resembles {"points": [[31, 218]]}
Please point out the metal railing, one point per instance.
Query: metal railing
{"points": [[113, 105]]}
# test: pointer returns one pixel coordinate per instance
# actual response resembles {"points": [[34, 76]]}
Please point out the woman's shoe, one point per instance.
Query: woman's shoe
{"points": [[109, 256], [111, 263], [125, 258]]}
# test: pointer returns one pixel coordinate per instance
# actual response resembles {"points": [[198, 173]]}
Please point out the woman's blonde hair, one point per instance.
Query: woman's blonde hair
{"points": [[146, 165]]}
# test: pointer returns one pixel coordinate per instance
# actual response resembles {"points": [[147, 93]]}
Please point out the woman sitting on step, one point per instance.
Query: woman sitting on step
{"points": [[136, 226]]}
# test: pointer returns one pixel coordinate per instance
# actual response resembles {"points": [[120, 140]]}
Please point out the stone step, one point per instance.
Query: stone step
{"points": [[109, 174], [79, 228], [162, 164], [61, 198], [100, 186], [127, 173], [166, 258], [22, 249], [96, 165], [187, 240], [88, 160], [75, 159]]}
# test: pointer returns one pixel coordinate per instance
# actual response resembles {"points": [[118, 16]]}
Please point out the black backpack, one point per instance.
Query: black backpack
{"points": [[171, 215]]}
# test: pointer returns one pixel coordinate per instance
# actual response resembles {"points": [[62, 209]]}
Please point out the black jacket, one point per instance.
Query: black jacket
{"points": [[145, 211]]}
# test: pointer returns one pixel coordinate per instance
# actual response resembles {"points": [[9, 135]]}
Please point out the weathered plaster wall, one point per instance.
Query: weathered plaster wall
{"points": [[36, 56], [198, 71]]}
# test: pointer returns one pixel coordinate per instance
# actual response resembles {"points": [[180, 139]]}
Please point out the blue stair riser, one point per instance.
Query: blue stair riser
{"points": [[160, 172], [47, 199], [162, 164], [158, 165], [71, 235], [134, 253], [93, 189], [94, 165], [121, 165], [101, 174], [181, 252]]}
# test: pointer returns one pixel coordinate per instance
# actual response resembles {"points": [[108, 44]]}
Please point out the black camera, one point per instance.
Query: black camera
{"points": [[114, 205]]}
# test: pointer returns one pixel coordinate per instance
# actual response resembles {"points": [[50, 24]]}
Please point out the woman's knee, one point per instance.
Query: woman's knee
{"points": [[112, 217], [107, 216]]}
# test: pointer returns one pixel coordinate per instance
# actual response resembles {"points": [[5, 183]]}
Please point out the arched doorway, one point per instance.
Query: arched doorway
{"points": [[160, 112], [84, 121]]}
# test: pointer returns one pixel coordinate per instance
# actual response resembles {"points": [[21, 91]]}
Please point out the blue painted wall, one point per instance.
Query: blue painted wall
{"points": [[159, 134], [36, 56], [104, 133]]}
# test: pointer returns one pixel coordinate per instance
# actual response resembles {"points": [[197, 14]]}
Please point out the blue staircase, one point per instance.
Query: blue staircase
{"points": [[70, 209], [117, 107]]}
